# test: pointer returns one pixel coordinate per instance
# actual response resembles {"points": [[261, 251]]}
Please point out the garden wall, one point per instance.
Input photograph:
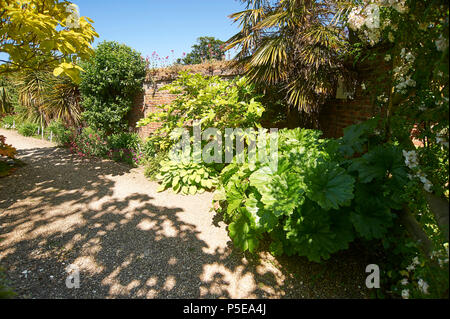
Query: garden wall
{"points": [[336, 114]]}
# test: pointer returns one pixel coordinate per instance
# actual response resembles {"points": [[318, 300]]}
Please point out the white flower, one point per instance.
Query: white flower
{"points": [[403, 52], [372, 12], [416, 261], [410, 158], [441, 140], [441, 43], [363, 86], [410, 57], [410, 267], [355, 20], [442, 262], [387, 57], [405, 293], [423, 286], [404, 282]]}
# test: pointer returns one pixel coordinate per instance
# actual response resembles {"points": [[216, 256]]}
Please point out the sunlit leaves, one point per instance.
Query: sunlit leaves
{"points": [[329, 185], [35, 36]]}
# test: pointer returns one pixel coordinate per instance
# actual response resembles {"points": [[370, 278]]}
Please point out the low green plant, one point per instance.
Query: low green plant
{"points": [[186, 177], [28, 129], [123, 140], [60, 133], [153, 165], [9, 121], [149, 149], [319, 197]]}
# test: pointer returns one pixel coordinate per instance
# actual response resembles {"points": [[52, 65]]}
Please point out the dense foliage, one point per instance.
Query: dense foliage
{"points": [[211, 101], [319, 198], [122, 147], [42, 34], [112, 79]]}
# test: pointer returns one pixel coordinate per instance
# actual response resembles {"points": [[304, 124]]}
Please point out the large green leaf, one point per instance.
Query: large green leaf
{"points": [[329, 185], [384, 162], [280, 190], [371, 215], [242, 234], [355, 136], [312, 232]]}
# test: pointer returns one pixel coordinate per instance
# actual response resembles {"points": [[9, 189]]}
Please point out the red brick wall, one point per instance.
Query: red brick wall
{"points": [[335, 114], [147, 103]]}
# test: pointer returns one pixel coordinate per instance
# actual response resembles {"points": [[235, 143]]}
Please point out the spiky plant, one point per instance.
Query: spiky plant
{"points": [[32, 86], [62, 101], [44, 97]]}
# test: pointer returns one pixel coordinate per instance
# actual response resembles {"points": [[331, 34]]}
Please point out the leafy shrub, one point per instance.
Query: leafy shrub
{"points": [[153, 165], [124, 147], [123, 140], [214, 102], [149, 149], [8, 121], [111, 80], [28, 129], [90, 143], [187, 178], [317, 200], [61, 134]]}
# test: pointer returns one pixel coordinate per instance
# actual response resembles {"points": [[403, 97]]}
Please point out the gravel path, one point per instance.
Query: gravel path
{"points": [[131, 242]]}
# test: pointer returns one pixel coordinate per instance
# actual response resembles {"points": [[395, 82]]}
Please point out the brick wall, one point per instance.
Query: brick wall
{"points": [[335, 114]]}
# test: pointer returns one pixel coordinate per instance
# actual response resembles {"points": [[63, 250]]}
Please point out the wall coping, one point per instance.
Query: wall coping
{"points": [[209, 68]]}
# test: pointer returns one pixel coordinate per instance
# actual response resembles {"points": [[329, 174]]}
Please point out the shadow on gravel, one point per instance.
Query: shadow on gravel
{"points": [[58, 210]]}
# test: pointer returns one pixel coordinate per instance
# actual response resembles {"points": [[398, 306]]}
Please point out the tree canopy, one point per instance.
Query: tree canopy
{"points": [[43, 34], [207, 48]]}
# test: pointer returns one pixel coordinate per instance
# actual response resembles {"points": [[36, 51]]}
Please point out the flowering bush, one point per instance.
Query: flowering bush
{"points": [[122, 147], [90, 143], [415, 99]]}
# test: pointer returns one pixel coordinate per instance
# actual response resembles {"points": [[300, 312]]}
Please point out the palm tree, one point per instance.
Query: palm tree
{"points": [[44, 97], [62, 101], [293, 45]]}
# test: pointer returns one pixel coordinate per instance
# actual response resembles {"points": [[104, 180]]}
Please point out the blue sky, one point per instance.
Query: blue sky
{"points": [[161, 26]]}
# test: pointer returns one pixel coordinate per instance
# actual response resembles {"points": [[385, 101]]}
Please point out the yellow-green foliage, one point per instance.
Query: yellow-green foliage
{"points": [[42, 25]]}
